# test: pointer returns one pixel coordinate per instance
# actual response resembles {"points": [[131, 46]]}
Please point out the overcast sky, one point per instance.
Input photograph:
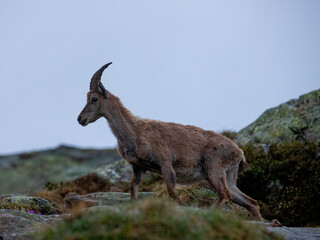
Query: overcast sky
{"points": [[214, 64]]}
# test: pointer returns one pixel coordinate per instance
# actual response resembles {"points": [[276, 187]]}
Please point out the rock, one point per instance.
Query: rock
{"points": [[99, 199], [94, 156], [119, 171], [62, 164], [17, 225], [292, 233], [35, 204], [297, 233], [297, 119], [6, 196]]}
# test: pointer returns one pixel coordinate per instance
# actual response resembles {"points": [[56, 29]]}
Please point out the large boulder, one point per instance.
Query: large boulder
{"points": [[297, 119]]}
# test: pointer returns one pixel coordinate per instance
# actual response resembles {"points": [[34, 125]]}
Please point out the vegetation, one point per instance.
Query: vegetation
{"points": [[90, 183], [155, 219], [229, 134], [286, 180]]}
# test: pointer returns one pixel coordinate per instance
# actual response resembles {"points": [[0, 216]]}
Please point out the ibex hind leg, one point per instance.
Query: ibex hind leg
{"points": [[239, 197], [169, 177], [216, 177]]}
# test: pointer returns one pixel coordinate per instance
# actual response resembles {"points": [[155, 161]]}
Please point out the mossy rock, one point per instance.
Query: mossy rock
{"points": [[297, 119], [119, 171], [24, 203]]}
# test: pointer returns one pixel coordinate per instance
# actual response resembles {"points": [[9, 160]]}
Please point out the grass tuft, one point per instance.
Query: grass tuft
{"points": [[155, 219]]}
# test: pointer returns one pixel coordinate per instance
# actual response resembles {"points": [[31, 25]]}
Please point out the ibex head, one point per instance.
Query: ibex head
{"points": [[95, 99]]}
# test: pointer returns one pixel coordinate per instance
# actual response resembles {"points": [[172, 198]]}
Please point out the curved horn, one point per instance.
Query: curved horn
{"points": [[94, 84]]}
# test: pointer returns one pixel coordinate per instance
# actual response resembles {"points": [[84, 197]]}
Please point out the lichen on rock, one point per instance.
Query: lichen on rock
{"points": [[26, 203], [118, 171], [297, 119]]}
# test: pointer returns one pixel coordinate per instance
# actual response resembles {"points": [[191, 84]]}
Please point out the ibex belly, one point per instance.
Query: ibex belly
{"points": [[146, 165], [189, 175]]}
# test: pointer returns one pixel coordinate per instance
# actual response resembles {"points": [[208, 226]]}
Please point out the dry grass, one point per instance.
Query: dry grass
{"points": [[90, 183]]}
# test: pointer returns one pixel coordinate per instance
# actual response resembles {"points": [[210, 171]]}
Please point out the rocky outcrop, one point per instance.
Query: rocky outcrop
{"points": [[62, 164], [297, 119]]}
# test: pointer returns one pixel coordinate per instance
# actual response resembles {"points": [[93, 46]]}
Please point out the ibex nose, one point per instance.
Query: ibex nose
{"points": [[79, 118]]}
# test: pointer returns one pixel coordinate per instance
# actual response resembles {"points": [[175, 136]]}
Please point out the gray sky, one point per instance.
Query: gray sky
{"points": [[214, 64]]}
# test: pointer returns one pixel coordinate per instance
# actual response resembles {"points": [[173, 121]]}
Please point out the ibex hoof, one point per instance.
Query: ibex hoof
{"points": [[275, 223]]}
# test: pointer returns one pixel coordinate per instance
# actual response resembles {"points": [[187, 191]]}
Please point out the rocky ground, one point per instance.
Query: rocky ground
{"points": [[35, 213], [17, 224]]}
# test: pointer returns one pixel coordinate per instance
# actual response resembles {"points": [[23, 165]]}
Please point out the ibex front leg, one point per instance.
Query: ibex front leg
{"points": [[169, 177], [137, 175]]}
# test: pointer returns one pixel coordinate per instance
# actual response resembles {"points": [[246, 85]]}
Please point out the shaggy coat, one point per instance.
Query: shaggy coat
{"points": [[180, 153]]}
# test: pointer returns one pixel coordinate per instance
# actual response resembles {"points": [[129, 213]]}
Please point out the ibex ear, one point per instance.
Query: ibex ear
{"points": [[103, 91]]}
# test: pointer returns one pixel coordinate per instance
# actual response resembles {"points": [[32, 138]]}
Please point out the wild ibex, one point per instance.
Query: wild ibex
{"points": [[180, 153]]}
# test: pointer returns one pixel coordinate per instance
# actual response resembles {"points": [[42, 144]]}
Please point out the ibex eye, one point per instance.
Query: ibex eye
{"points": [[94, 99]]}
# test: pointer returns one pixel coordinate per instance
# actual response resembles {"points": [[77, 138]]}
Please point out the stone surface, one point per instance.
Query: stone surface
{"points": [[293, 233], [118, 171], [35, 204], [297, 119], [297, 233], [19, 225]]}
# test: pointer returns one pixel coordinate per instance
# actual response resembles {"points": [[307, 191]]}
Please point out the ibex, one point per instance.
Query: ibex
{"points": [[180, 153]]}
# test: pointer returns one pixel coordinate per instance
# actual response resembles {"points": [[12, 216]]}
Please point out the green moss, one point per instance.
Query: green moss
{"points": [[155, 219]]}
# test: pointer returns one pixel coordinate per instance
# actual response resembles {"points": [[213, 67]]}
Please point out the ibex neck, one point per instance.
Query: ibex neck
{"points": [[121, 122]]}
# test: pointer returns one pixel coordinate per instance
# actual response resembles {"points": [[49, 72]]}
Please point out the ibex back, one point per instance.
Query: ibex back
{"points": [[180, 153]]}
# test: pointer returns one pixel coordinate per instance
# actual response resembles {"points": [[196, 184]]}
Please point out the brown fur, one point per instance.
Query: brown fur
{"points": [[180, 153]]}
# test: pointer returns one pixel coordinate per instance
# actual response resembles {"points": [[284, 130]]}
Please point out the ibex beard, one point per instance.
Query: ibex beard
{"points": [[180, 153]]}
